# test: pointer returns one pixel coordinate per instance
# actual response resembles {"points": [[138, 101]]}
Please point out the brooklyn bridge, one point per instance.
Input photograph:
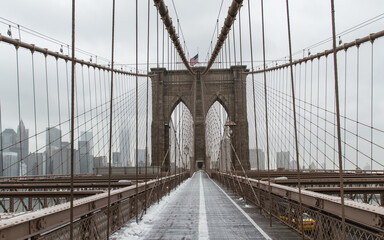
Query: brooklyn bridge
{"points": [[231, 119]]}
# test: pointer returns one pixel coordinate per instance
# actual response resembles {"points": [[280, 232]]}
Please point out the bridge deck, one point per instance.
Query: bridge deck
{"points": [[200, 209]]}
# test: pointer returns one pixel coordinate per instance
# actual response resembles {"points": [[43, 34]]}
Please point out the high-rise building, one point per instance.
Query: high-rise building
{"points": [[22, 140], [116, 160], [65, 166], [11, 164], [85, 146], [87, 137], [8, 141], [86, 158], [53, 146], [53, 138], [253, 159], [7, 144], [99, 161], [35, 164], [65, 154], [293, 165], [125, 147], [141, 157], [282, 160], [14, 150]]}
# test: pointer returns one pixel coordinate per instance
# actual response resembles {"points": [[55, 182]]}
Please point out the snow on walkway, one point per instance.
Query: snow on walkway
{"points": [[135, 231], [197, 209]]}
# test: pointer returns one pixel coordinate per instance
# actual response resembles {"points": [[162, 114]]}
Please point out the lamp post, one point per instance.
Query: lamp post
{"points": [[230, 124], [186, 152], [166, 142]]}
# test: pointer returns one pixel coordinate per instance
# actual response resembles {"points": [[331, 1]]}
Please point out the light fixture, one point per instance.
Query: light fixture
{"points": [[9, 32]]}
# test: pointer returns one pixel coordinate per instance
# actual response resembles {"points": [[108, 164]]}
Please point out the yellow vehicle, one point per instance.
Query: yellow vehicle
{"points": [[308, 222]]}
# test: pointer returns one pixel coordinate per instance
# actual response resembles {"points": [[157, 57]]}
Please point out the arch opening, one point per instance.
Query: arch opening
{"points": [[218, 148], [181, 135]]}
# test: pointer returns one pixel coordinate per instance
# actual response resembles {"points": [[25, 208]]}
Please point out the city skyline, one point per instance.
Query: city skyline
{"points": [[53, 158]]}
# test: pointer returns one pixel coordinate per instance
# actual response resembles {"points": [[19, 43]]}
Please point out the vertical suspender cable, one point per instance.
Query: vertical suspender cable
{"points": [[59, 110], [325, 112], [225, 55], [110, 121], [241, 49], [163, 46], [49, 124], [254, 101], [168, 61], [317, 113], [137, 113], [266, 115], [338, 120], [241, 84], [229, 49], [310, 112], [34, 110], [357, 103], [371, 155], [146, 113], [295, 121], [19, 106], [72, 116], [234, 44], [345, 103]]}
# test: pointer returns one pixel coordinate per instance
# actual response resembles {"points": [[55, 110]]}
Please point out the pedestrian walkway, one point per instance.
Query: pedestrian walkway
{"points": [[201, 209]]}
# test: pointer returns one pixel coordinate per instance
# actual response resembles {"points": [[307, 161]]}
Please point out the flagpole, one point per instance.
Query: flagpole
{"points": [[197, 54]]}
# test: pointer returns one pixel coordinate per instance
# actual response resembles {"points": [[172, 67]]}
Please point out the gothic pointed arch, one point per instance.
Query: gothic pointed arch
{"points": [[198, 93]]}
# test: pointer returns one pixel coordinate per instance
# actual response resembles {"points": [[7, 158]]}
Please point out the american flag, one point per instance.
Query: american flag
{"points": [[194, 60]]}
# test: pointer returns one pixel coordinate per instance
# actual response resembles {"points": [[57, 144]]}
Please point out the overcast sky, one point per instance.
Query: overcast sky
{"points": [[310, 21], [310, 24]]}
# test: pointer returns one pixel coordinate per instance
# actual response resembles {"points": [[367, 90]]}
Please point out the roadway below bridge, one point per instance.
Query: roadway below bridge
{"points": [[201, 209]]}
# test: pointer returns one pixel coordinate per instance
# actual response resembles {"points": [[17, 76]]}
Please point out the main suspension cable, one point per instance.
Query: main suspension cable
{"points": [[163, 10], [232, 12]]}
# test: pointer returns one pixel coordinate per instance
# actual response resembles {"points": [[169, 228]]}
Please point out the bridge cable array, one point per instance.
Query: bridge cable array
{"points": [[295, 118]]}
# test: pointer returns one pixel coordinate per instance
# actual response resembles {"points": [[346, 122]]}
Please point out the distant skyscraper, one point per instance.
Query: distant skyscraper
{"points": [[7, 144], [65, 158], [125, 147], [35, 164], [11, 164], [116, 160], [15, 149], [53, 138], [282, 160], [293, 165], [141, 157], [88, 137], [22, 140], [99, 161], [53, 147], [253, 159], [8, 141], [86, 159]]}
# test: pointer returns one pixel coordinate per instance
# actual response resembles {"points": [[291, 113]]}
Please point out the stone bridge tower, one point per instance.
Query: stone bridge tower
{"points": [[199, 93]]}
